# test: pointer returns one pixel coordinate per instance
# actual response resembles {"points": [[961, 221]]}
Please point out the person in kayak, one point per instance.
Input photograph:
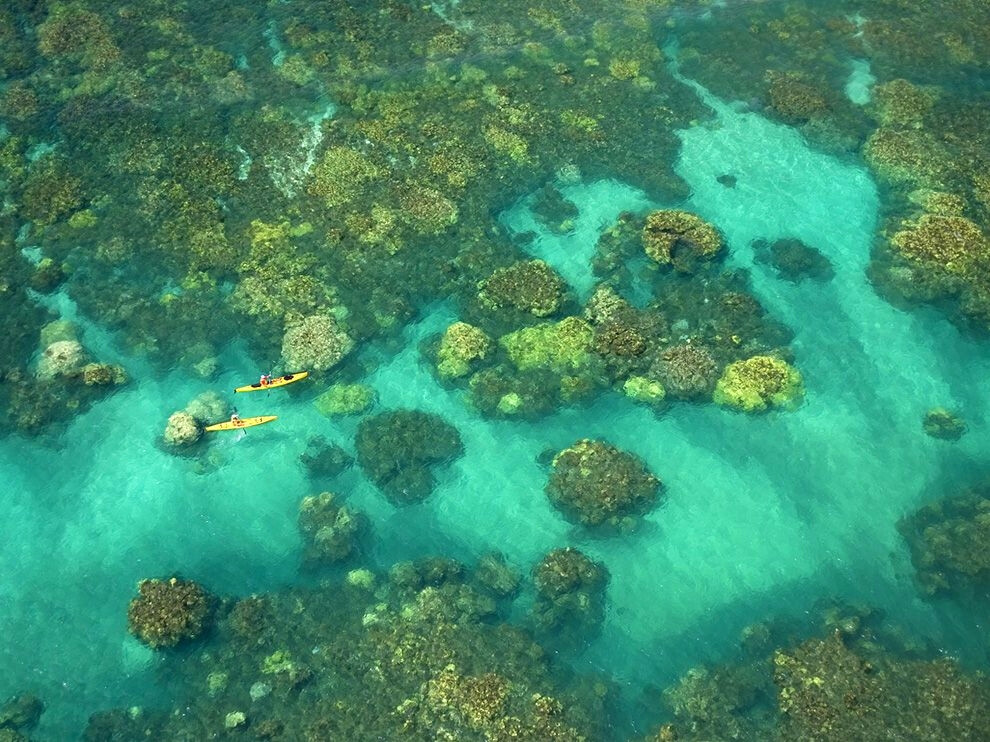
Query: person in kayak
{"points": [[266, 379], [235, 418]]}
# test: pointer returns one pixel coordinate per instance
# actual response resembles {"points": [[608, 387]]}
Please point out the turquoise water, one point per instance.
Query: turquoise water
{"points": [[762, 515]]}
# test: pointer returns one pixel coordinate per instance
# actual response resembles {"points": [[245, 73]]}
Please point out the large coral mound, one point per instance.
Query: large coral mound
{"points": [[757, 383], [317, 343], [166, 612], [950, 543], [597, 484], [679, 238], [530, 286], [416, 654], [399, 449]]}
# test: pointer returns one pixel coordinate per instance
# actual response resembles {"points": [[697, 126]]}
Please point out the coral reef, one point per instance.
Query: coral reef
{"points": [[421, 656], [530, 286], [398, 451], [494, 575], [206, 408], [597, 484], [505, 392], [757, 383], [642, 389], [680, 239], [794, 99], [857, 678], [315, 343], [329, 531], [167, 612], [951, 243], [61, 358]]}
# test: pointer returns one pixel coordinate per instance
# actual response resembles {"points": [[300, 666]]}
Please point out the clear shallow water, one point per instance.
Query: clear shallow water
{"points": [[762, 515]]}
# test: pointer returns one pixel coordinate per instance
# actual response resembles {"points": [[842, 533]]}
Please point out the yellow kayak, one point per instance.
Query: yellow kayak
{"points": [[274, 383], [244, 422]]}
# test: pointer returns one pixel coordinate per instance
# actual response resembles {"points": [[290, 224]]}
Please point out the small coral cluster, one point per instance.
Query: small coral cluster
{"points": [[460, 347], [185, 427]]}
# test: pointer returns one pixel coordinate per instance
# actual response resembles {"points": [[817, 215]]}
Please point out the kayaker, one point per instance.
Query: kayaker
{"points": [[235, 418], [266, 379]]}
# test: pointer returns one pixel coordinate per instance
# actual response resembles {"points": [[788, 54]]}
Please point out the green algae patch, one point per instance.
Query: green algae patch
{"points": [[345, 399], [757, 383], [560, 346]]}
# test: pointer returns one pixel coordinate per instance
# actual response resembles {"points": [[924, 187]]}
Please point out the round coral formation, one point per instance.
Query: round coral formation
{"points": [[461, 345], [757, 383], [316, 342], [598, 484], [686, 371], [679, 238], [398, 450], [182, 429], [530, 286], [167, 612]]}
